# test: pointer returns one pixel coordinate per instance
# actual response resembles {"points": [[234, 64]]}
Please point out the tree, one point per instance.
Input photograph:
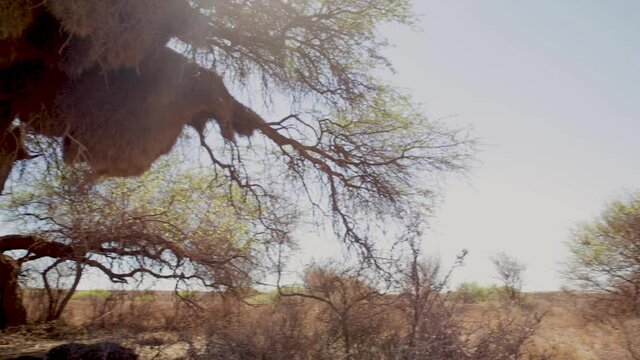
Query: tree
{"points": [[170, 223], [605, 254], [510, 271], [352, 308], [120, 82], [433, 331]]}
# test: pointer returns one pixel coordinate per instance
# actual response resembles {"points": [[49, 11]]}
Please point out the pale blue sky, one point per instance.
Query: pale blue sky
{"points": [[551, 88]]}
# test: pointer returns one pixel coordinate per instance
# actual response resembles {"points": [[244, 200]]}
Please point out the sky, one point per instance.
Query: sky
{"points": [[551, 90]]}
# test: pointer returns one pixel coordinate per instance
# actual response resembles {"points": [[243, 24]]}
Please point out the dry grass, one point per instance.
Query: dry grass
{"points": [[570, 329], [159, 326]]}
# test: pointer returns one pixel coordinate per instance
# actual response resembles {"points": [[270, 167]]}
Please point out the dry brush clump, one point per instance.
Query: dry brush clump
{"points": [[307, 328], [504, 331], [343, 313], [264, 325], [269, 331], [272, 326]]}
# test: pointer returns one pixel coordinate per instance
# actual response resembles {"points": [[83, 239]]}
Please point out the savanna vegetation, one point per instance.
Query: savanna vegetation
{"points": [[126, 154]]}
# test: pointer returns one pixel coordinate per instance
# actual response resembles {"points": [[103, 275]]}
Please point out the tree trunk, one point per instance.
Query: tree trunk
{"points": [[346, 338], [12, 311]]}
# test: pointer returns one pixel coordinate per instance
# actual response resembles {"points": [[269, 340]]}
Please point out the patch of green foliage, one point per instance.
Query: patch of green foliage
{"points": [[272, 296], [187, 294], [474, 293], [96, 293], [262, 298], [145, 297]]}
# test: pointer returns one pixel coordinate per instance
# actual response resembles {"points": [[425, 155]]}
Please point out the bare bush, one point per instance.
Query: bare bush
{"points": [[505, 333], [510, 272], [351, 309], [433, 329]]}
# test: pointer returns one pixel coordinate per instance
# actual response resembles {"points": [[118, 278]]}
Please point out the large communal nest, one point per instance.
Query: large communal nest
{"points": [[15, 17], [117, 34], [99, 74], [122, 126]]}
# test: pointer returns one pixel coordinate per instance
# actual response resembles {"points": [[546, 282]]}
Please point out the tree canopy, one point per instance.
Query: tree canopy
{"points": [[173, 222], [168, 223], [605, 253], [119, 82]]}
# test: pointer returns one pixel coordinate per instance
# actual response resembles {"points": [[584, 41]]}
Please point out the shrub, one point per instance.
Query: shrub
{"points": [[473, 293]]}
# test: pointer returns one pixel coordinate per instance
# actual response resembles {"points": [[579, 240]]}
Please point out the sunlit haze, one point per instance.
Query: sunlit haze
{"points": [[550, 88]]}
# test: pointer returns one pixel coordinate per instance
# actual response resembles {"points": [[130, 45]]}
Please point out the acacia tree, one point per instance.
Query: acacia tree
{"points": [[510, 272], [605, 253], [171, 223], [119, 82], [102, 77]]}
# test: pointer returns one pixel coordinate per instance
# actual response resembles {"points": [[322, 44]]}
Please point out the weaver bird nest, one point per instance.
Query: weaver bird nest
{"points": [[99, 74]]}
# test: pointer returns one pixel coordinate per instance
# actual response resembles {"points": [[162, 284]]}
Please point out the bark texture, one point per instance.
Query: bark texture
{"points": [[12, 311]]}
